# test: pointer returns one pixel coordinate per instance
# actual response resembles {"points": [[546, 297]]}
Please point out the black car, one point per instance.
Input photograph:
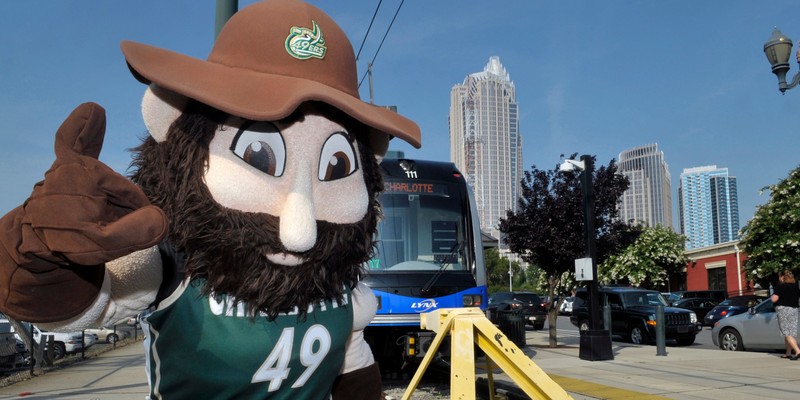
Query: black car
{"points": [[633, 315], [675, 297], [532, 305], [701, 306], [732, 306]]}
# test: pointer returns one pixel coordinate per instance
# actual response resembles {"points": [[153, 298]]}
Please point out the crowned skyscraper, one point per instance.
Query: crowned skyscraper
{"points": [[485, 142], [648, 199], [709, 206]]}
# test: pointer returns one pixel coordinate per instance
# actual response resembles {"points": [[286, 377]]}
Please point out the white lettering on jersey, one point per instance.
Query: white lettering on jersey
{"points": [[275, 368]]}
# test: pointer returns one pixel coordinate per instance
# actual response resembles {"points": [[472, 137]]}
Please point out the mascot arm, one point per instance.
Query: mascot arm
{"points": [[360, 377], [81, 216], [130, 285]]}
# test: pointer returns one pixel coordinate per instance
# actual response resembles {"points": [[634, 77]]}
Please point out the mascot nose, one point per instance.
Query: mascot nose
{"points": [[298, 222]]}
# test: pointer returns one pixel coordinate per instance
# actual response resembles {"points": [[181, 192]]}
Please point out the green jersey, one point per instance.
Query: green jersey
{"points": [[207, 347]]}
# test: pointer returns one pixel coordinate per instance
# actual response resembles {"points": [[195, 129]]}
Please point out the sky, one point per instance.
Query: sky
{"points": [[591, 77]]}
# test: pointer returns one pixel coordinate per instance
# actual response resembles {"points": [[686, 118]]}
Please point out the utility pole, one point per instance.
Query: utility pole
{"points": [[225, 10], [369, 75]]}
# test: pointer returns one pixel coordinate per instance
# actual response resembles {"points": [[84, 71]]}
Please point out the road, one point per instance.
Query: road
{"points": [[702, 341]]}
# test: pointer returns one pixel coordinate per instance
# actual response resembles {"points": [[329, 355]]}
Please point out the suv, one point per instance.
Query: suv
{"points": [[532, 306], [633, 315]]}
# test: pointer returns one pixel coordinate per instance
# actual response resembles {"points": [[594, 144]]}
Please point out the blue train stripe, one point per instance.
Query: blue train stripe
{"points": [[396, 310]]}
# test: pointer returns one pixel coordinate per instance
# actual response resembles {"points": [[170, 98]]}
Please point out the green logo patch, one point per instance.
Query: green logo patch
{"points": [[303, 43]]}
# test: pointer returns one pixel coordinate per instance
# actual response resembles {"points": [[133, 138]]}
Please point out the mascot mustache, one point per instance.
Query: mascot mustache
{"points": [[228, 247]]}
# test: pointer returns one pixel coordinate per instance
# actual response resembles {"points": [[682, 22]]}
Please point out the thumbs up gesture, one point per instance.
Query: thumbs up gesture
{"points": [[82, 215]]}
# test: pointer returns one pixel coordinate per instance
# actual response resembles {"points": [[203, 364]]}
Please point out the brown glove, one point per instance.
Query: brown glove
{"points": [[53, 247]]}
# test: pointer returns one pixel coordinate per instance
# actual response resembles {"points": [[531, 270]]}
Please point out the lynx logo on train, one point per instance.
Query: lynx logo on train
{"points": [[424, 305]]}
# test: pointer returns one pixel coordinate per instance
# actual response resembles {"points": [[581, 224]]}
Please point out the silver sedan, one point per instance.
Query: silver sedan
{"points": [[755, 329]]}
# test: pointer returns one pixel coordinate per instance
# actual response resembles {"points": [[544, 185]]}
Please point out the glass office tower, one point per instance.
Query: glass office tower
{"points": [[648, 199], [709, 206], [485, 142]]}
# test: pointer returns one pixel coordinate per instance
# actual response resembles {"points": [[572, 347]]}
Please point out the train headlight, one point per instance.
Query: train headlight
{"points": [[471, 300]]}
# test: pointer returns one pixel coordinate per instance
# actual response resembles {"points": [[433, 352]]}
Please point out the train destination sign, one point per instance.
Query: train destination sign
{"points": [[414, 188]]}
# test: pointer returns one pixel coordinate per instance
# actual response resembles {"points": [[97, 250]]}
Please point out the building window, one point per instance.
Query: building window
{"points": [[717, 279]]}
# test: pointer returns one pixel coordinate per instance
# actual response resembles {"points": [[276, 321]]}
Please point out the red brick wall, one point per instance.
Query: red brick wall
{"points": [[697, 273]]}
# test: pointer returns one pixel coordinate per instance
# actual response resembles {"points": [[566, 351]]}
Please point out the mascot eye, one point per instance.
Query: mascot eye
{"points": [[261, 145], [337, 159]]}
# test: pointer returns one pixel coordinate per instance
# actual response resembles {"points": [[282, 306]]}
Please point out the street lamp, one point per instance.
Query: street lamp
{"points": [[778, 49], [595, 344]]}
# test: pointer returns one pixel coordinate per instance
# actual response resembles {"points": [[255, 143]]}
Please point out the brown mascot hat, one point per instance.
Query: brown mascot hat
{"points": [[268, 59]]}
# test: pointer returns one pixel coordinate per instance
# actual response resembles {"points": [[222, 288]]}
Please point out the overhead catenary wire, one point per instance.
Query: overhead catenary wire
{"points": [[381, 44], [368, 29]]}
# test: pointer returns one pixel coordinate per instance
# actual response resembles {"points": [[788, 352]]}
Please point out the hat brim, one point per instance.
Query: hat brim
{"points": [[254, 95]]}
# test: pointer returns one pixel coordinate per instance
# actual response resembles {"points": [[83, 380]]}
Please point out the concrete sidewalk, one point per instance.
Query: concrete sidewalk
{"points": [[635, 373], [118, 374], [684, 373]]}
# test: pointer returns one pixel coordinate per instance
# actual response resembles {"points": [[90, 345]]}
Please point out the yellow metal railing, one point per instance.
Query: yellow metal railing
{"points": [[467, 327]]}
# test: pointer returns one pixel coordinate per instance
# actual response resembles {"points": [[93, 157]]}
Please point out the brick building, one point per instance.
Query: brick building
{"points": [[718, 267]]}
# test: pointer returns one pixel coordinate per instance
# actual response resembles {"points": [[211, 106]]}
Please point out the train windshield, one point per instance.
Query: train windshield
{"points": [[424, 228]]}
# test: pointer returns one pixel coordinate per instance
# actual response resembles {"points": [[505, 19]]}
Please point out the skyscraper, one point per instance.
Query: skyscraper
{"points": [[485, 142], [709, 206], [648, 200]]}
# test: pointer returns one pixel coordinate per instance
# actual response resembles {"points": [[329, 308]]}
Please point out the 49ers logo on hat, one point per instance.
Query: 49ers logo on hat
{"points": [[303, 43]]}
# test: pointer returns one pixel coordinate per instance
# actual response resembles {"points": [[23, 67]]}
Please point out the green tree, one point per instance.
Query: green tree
{"points": [[535, 280], [497, 270], [771, 239], [547, 228], [648, 261]]}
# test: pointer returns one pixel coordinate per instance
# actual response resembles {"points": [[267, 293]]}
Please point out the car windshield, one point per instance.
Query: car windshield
{"points": [[673, 297], [644, 299], [740, 301], [527, 297], [765, 307]]}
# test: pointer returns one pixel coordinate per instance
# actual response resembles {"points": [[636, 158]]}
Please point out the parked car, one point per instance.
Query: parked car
{"points": [[633, 315], [692, 294], [109, 335], [532, 305], [755, 329], [566, 306], [732, 306], [701, 306], [63, 342], [89, 339], [12, 351]]}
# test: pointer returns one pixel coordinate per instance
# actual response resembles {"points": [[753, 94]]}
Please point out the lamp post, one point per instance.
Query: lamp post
{"points": [[778, 49], [595, 343]]}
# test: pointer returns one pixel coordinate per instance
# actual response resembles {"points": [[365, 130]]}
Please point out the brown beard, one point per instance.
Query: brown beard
{"points": [[227, 247]]}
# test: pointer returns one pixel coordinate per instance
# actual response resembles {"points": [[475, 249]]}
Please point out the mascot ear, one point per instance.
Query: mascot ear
{"points": [[160, 108], [379, 143]]}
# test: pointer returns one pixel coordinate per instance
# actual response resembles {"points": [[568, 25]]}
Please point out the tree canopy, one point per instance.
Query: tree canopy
{"points": [[648, 262], [771, 239], [497, 274], [547, 228]]}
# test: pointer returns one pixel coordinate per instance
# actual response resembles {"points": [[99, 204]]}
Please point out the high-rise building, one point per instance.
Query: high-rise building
{"points": [[485, 142], [648, 199], [709, 206]]}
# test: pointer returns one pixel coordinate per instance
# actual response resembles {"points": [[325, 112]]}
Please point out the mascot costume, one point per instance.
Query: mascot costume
{"points": [[243, 228]]}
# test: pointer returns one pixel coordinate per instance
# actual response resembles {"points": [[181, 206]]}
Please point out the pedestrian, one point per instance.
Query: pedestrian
{"points": [[786, 298]]}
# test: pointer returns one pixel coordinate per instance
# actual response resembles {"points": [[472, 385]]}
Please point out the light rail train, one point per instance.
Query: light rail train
{"points": [[429, 256]]}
